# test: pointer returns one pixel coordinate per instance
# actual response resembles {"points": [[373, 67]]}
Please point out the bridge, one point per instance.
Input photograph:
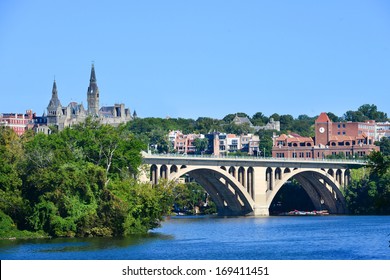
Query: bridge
{"points": [[248, 185]]}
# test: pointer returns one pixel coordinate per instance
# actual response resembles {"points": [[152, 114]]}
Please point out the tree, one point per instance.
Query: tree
{"points": [[286, 122], [266, 142], [201, 145], [384, 145], [229, 118], [369, 192], [333, 117], [259, 119], [372, 113], [355, 116]]}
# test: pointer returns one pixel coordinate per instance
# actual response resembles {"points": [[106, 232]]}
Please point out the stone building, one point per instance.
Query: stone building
{"points": [[271, 125], [66, 116]]}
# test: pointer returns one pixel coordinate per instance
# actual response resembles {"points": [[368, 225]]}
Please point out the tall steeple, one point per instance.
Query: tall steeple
{"points": [[54, 101], [93, 94], [54, 109]]}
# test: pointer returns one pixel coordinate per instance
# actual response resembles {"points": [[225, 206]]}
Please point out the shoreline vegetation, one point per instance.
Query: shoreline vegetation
{"points": [[80, 182]]}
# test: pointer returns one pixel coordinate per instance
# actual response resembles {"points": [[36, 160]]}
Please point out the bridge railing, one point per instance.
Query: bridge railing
{"points": [[256, 158]]}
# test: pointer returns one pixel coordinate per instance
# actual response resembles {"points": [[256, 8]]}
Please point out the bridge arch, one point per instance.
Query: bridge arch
{"points": [[229, 195], [322, 188]]}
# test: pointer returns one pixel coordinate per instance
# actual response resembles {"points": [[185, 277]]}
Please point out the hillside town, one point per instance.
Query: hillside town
{"points": [[330, 138]]}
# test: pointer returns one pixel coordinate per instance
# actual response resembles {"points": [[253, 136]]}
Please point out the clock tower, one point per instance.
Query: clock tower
{"points": [[323, 127]]}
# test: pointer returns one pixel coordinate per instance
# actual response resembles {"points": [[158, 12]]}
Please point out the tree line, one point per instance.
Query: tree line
{"points": [[77, 182], [154, 131]]}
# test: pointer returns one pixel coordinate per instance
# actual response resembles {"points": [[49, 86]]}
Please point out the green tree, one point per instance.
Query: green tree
{"points": [[333, 117], [384, 145], [259, 119], [229, 117], [201, 145], [369, 191]]}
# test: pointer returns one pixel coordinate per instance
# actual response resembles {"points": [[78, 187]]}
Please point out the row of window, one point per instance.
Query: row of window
{"points": [[16, 121]]}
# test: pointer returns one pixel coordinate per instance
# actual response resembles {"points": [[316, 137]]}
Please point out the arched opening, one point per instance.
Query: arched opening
{"points": [[232, 171], [269, 178], [250, 182], [153, 174], [278, 173], [292, 196], [310, 192], [173, 169], [229, 196], [241, 175], [164, 172], [339, 177]]}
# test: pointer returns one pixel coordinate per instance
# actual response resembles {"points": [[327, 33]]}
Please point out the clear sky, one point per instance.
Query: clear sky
{"points": [[203, 58]]}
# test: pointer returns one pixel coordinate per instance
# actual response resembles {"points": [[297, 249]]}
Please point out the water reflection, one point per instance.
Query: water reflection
{"points": [[183, 238]]}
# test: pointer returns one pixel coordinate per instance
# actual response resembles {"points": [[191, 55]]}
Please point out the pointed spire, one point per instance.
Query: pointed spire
{"points": [[93, 75], [93, 94], [54, 101], [54, 90]]}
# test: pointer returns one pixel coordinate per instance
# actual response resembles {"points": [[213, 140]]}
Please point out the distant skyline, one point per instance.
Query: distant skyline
{"points": [[200, 58]]}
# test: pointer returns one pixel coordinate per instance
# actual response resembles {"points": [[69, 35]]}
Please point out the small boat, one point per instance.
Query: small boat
{"points": [[305, 213]]}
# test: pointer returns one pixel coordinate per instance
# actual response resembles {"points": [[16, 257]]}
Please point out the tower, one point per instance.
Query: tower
{"points": [[323, 127], [54, 109], [93, 94]]}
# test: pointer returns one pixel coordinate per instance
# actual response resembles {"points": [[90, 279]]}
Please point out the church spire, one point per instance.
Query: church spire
{"points": [[93, 75], [54, 101], [93, 94]]}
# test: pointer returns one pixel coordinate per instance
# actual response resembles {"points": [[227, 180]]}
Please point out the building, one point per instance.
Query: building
{"points": [[16, 121], [66, 116], [271, 125], [347, 139], [183, 143], [382, 130], [218, 143], [223, 144]]}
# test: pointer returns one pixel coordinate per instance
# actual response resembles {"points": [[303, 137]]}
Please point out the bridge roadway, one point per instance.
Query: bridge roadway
{"points": [[248, 185]]}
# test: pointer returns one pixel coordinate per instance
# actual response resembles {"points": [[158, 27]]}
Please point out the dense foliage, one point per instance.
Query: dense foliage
{"points": [[78, 182], [369, 191]]}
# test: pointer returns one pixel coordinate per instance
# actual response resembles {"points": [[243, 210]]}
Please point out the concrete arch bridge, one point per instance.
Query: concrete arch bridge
{"points": [[247, 186]]}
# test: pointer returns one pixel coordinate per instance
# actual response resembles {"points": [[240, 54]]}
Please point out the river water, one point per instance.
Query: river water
{"points": [[216, 238]]}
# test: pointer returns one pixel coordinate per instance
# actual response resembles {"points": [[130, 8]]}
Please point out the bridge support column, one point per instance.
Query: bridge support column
{"points": [[260, 192]]}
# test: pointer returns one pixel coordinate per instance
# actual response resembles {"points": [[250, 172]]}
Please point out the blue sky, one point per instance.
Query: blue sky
{"points": [[199, 58]]}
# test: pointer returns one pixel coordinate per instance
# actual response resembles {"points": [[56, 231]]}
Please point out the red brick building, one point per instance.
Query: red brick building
{"points": [[349, 139], [18, 122]]}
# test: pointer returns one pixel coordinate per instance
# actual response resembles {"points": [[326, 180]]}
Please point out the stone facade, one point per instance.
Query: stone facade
{"points": [[271, 125], [66, 116]]}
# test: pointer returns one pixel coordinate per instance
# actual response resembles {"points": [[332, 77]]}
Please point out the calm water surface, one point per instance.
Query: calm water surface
{"points": [[269, 238]]}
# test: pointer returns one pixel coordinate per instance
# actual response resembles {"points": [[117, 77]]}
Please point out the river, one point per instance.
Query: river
{"points": [[233, 238]]}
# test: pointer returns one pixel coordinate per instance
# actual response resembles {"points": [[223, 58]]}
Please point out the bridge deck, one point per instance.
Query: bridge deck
{"points": [[179, 159]]}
